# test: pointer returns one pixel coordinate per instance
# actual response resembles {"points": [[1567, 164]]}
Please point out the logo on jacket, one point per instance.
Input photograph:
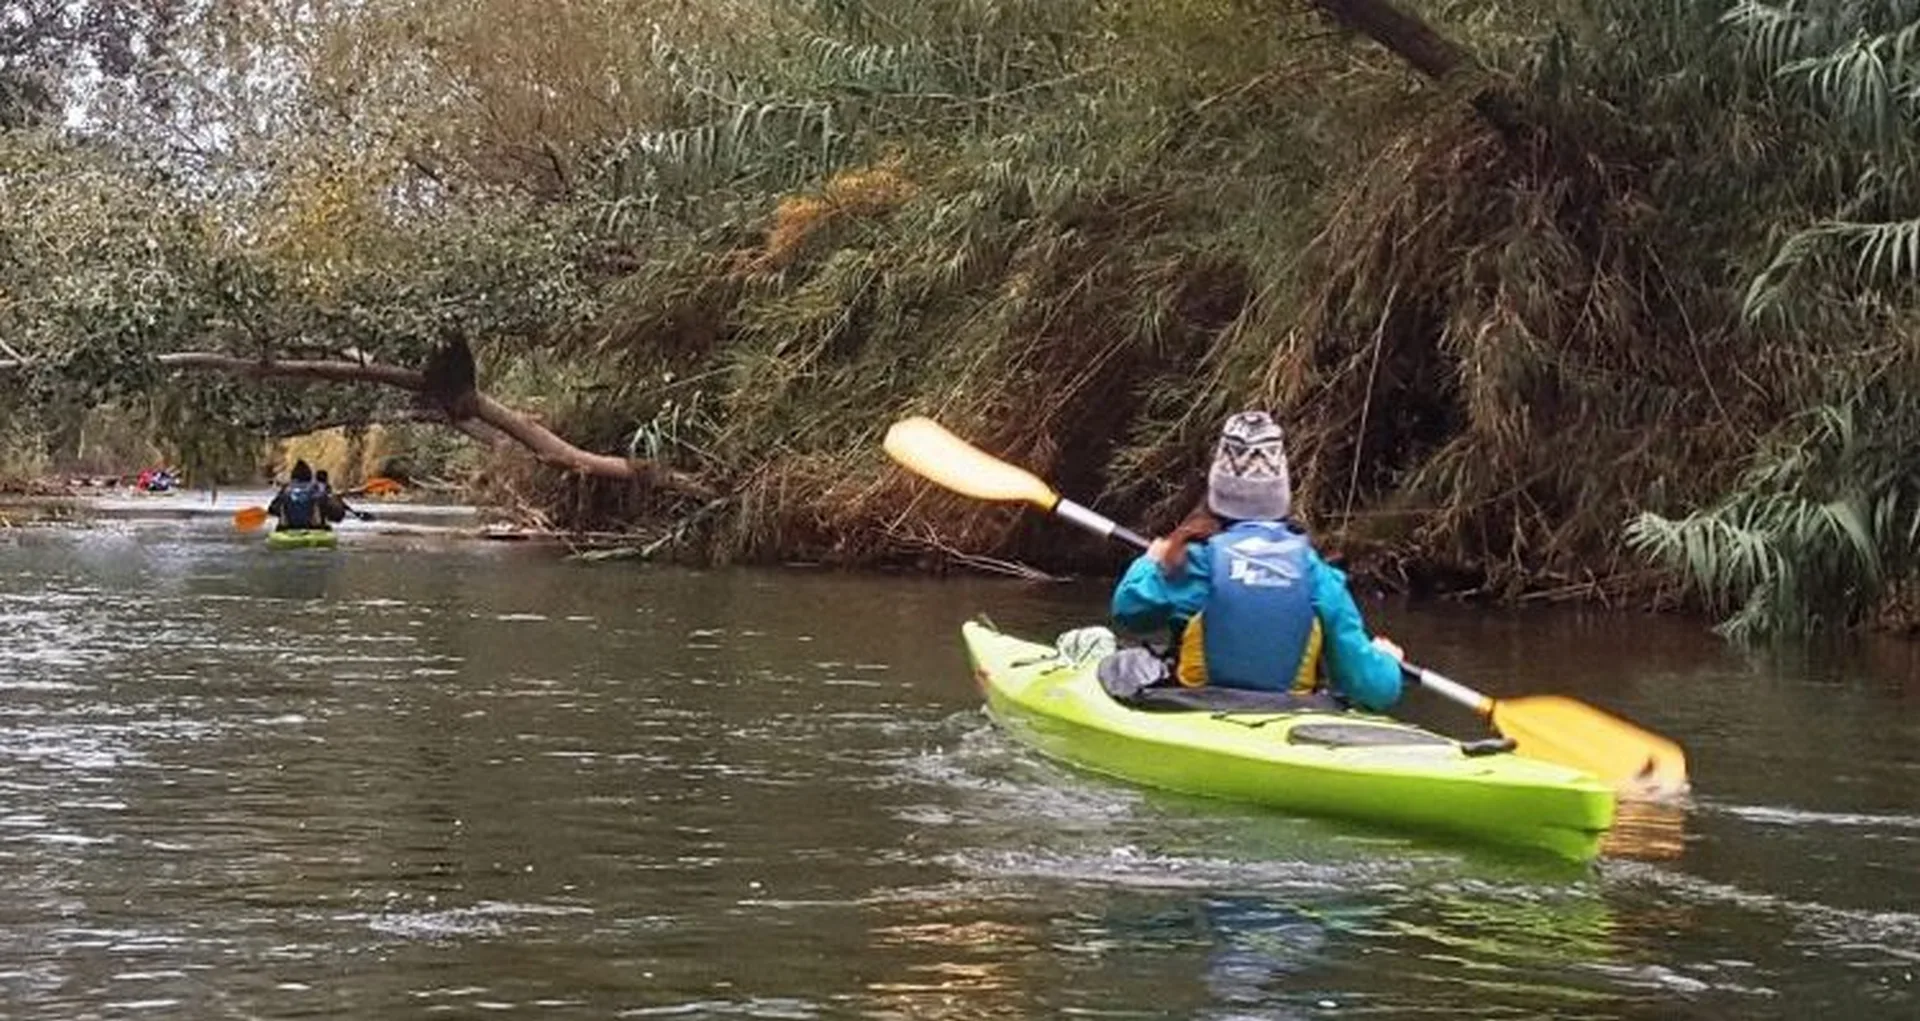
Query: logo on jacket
{"points": [[1265, 563]]}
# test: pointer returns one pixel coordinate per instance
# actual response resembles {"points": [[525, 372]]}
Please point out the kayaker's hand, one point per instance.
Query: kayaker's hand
{"points": [[1389, 647], [1157, 552]]}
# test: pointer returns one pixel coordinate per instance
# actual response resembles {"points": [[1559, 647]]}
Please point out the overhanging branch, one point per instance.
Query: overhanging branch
{"points": [[310, 371], [490, 420], [1429, 52]]}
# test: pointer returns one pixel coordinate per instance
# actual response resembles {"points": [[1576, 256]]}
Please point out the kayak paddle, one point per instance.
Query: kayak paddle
{"points": [[247, 519], [928, 450], [1564, 730], [1552, 728]]}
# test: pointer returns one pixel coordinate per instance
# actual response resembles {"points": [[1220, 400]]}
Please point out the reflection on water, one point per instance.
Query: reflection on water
{"points": [[1647, 831], [1254, 945], [410, 779], [965, 967]]}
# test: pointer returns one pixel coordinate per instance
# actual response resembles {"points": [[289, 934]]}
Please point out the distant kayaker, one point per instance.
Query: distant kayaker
{"points": [[333, 506], [298, 503], [1249, 601], [330, 501]]}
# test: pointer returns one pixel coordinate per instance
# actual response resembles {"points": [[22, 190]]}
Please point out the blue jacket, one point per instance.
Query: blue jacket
{"points": [[1146, 600]]}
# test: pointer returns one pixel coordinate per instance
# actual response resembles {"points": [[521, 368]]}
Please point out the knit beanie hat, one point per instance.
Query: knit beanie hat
{"points": [[1248, 480]]}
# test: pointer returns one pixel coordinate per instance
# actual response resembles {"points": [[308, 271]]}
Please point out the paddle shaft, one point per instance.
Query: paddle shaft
{"points": [[1099, 524], [1448, 689]]}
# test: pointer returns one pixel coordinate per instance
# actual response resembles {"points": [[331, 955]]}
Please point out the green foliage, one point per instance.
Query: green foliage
{"points": [[1031, 220], [106, 264], [48, 48], [1821, 526], [1858, 64]]}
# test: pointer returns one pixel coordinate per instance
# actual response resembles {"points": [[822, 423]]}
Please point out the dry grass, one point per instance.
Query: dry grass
{"points": [[869, 191]]}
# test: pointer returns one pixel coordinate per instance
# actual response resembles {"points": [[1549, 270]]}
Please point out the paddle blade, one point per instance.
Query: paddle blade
{"points": [[247, 519], [1572, 733], [927, 449]]}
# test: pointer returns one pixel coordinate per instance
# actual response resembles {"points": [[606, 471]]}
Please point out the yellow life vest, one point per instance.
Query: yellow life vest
{"points": [[1191, 666]]}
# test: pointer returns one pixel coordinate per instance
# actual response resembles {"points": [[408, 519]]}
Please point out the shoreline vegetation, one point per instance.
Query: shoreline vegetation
{"points": [[1557, 299]]}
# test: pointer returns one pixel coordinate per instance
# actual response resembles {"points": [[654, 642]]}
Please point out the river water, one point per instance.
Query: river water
{"points": [[417, 778]]}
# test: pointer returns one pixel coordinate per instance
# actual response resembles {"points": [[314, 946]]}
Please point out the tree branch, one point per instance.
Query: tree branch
{"points": [[311, 371], [1429, 52], [478, 430], [1411, 39], [545, 445]]}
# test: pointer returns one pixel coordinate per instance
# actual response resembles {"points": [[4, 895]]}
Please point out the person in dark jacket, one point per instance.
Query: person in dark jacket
{"points": [[333, 506], [297, 505]]}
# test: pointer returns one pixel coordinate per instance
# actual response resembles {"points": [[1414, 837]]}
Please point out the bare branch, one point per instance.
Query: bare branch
{"points": [[321, 371], [545, 445], [1429, 52]]}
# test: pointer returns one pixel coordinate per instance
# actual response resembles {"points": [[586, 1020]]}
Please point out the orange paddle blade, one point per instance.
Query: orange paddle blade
{"points": [[927, 449], [247, 519], [1571, 733]]}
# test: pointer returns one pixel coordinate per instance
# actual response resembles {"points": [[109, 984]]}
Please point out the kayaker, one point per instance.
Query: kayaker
{"points": [[298, 503], [1250, 603], [333, 506], [328, 498]]}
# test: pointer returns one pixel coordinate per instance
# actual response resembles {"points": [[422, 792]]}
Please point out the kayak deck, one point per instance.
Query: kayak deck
{"points": [[296, 538], [1335, 764]]}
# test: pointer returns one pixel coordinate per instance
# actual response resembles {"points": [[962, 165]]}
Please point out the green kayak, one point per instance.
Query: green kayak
{"points": [[296, 538], [1336, 764]]}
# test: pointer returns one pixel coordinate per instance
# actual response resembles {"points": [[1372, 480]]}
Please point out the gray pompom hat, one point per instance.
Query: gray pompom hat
{"points": [[1248, 480]]}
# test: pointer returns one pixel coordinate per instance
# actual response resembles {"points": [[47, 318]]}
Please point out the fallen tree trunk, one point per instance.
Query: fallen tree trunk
{"points": [[491, 421], [1429, 52]]}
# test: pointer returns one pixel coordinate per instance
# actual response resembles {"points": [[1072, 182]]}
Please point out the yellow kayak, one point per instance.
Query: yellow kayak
{"points": [[1349, 765], [299, 538]]}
